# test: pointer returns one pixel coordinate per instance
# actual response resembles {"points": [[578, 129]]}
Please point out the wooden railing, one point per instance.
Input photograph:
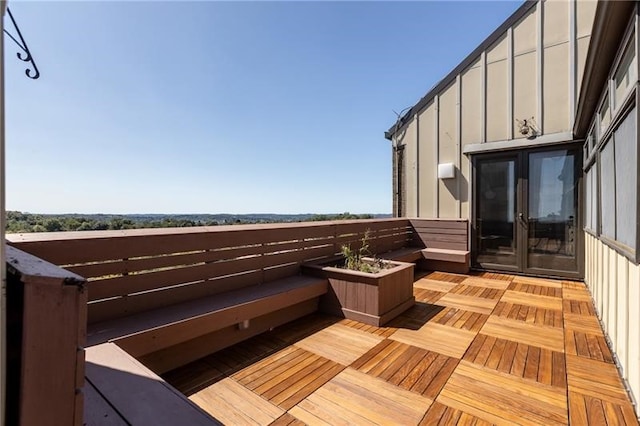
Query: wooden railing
{"points": [[139, 270]]}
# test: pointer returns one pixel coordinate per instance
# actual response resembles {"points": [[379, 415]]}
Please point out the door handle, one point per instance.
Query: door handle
{"points": [[521, 217]]}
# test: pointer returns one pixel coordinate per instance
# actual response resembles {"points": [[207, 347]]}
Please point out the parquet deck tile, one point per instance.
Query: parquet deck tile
{"points": [[539, 301], [541, 290], [487, 283], [529, 314], [519, 359], [584, 337], [578, 307], [287, 420], [379, 331], [501, 398], [460, 318], [493, 275], [538, 281], [233, 404], [408, 367], [551, 338], [446, 276], [440, 286], [468, 303], [429, 296], [576, 294], [477, 349], [288, 376], [477, 291], [339, 343], [442, 415], [438, 338], [358, 398]]}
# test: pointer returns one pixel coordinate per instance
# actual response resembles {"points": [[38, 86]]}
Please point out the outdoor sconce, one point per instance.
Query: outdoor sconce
{"points": [[446, 171]]}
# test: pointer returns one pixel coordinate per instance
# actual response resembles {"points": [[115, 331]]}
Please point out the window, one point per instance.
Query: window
{"points": [[626, 74], [618, 174], [591, 202], [625, 154], [608, 187]]}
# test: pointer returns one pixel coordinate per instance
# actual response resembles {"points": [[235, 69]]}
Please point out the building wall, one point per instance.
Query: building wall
{"points": [[613, 281], [531, 71]]}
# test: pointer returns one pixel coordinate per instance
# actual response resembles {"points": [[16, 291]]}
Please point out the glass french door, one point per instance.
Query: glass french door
{"points": [[526, 216]]}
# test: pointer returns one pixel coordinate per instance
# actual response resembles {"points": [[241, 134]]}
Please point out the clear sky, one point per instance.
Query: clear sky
{"points": [[210, 107]]}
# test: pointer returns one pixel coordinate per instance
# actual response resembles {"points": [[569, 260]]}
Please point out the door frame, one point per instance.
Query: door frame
{"points": [[521, 230]]}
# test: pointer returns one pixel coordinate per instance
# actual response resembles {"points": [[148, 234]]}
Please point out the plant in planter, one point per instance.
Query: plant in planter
{"points": [[361, 259], [362, 288]]}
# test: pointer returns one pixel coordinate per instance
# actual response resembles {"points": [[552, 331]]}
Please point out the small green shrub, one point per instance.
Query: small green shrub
{"points": [[353, 259]]}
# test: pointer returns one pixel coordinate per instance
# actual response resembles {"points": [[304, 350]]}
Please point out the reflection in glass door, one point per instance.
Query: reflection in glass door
{"points": [[496, 211], [552, 202]]}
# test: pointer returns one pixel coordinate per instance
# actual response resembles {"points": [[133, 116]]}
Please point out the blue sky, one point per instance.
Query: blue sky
{"points": [[207, 107]]}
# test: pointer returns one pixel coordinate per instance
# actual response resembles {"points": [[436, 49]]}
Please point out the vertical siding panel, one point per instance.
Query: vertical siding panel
{"points": [[411, 158], [556, 66], [612, 307], [471, 128], [633, 348], [426, 158], [621, 343], [447, 151], [497, 91]]}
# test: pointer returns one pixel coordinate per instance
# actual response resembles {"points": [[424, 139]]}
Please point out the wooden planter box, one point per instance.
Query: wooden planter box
{"points": [[373, 299]]}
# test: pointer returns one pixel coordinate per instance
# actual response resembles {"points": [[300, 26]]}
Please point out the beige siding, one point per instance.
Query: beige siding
{"points": [[525, 72], [471, 131], [447, 151], [428, 162], [614, 284], [502, 84], [497, 93], [472, 104], [585, 11]]}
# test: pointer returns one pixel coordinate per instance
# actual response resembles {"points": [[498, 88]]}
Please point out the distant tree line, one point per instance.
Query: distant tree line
{"points": [[18, 222]]}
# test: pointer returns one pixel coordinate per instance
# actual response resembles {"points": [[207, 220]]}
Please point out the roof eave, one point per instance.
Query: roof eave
{"points": [[609, 26]]}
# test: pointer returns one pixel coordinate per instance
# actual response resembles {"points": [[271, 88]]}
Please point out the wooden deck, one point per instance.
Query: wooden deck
{"points": [[476, 349]]}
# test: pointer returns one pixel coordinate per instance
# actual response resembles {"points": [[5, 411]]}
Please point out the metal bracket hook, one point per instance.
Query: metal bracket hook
{"points": [[25, 55]]}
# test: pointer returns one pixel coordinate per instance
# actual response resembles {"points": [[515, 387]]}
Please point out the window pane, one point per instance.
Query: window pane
{"points": [[626, 73], [626, 172], [605, 116], [594, 198], [607, 185]]}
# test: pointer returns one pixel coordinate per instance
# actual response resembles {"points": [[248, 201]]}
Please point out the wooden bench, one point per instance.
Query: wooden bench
{"points": [[445, 244], [145, 335], [119, 390]]}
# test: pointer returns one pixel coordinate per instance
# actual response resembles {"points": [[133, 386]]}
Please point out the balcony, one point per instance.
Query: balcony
{"points": [[476, 348]]}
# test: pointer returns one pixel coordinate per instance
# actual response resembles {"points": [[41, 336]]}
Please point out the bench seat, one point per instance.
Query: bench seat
{"points": [[119, 390], [446, 255], [406, 254], [150, 331]]}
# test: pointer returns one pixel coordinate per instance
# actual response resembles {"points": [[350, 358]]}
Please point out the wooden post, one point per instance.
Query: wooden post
{"points": [[51, 350]]}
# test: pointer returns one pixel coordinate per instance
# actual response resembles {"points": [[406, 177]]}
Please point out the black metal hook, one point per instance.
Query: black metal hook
{"points": [[25, 55]]}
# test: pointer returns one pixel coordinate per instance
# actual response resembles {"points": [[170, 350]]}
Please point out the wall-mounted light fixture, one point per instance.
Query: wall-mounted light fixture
{"points": [[446, 171], [528, 127]]}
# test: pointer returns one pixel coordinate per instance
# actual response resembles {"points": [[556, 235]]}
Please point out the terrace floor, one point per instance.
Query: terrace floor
{"points": [[476, 349]]}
